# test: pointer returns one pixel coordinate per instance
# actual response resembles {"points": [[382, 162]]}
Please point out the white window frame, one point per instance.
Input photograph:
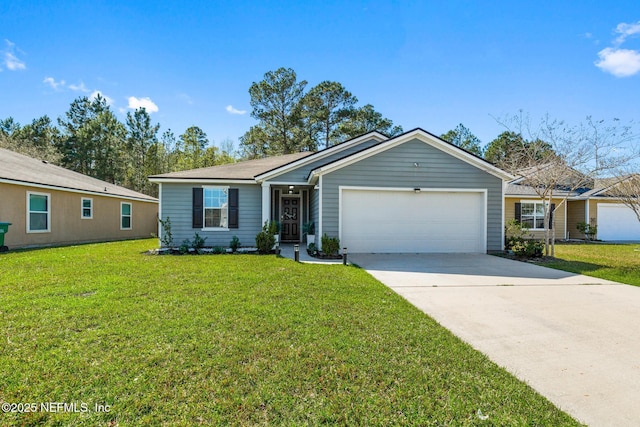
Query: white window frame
{"points": [[48, 212], [535, 203], [204, 208], [122, 216], [82, 208]]}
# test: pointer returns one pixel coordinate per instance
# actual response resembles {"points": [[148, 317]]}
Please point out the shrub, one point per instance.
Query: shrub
{"points": [[265, 240], [588, 230], [184, 247], [330, 245], [528, 248], [312, 249], [167, 238], [198, 242], [218, 250], [234, 244]]}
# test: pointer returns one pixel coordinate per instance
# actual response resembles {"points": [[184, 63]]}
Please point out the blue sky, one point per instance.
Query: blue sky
{"points": [[422, 64]]}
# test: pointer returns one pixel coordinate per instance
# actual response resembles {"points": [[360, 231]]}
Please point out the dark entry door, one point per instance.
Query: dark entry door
{"points": [[290, 220]]}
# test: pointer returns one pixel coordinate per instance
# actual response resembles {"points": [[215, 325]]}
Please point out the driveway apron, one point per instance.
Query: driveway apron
{"points": [[575, 339]]}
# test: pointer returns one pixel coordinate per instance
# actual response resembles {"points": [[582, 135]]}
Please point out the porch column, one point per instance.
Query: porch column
{"points": [[266, 202]]}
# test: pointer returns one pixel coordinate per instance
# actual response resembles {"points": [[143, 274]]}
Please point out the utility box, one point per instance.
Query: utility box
{"points": [[4, 228]]}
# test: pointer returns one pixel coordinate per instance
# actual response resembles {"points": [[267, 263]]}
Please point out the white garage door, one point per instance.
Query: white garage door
{"points": [[617, 222], [380, 221]]}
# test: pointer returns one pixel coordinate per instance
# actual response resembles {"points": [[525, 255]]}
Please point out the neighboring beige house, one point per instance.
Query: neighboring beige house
{"points": [[595, 206], [50, 205]]}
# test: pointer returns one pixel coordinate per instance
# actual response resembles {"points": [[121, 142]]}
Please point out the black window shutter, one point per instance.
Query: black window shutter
{"points": [[519, 212], [553, 207], [197, 207], [233, 208]]}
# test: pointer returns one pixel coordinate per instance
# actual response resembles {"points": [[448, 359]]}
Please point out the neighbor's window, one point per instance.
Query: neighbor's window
{"points": [[87, 208], [125, 216], [39, 216], [216, 201], [532, 215]]}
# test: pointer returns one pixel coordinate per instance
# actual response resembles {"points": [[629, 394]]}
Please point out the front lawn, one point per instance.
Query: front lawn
{"points": [[620, 263], [233, 340]]}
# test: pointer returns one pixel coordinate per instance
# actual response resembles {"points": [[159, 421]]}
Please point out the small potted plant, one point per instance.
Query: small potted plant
{"points": [[309, 228]]}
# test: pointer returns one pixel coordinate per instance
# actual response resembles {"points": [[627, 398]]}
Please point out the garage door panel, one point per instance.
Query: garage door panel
{"points": [[404, 221], [617, 222]]}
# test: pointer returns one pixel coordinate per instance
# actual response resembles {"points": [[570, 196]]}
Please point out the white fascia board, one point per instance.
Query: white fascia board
{"points": [[320, 155], [420, 135], [75, 190], [201, 181]]}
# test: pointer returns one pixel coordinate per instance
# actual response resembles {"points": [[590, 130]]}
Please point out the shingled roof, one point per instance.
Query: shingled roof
{"points": [[246, 170], [24, 170]]}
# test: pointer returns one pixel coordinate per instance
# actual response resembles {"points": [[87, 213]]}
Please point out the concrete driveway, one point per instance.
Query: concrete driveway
{"points": [[575, 339]]}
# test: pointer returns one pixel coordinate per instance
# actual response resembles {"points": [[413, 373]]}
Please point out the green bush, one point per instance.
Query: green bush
{"points": [[528, 248], [330, 245], [265, 242], [234, 244], [167, 238], [588, 230], [266, 238], [218, 250]]}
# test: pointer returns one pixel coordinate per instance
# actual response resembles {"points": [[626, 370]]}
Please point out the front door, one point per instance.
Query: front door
{"points": [[290, 219]]}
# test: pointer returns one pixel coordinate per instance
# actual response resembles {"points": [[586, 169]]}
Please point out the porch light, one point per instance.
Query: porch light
{"points": [[291, 187], [417, 190], [416, 165]]}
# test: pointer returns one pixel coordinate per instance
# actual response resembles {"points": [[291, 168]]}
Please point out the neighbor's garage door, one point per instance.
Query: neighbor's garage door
{"points": [[617, 222], [379, 221]]}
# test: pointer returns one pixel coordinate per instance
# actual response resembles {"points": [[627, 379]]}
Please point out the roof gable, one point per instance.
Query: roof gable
{"points": [[422, 136], [319, 155], [19, 169]]}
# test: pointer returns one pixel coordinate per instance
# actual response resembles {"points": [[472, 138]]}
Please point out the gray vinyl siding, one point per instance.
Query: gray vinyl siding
{"points": [[395, 168], [177, 205], [301, 174]]}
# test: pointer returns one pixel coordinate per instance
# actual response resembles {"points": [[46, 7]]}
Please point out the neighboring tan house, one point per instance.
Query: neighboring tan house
{"points": [[595, 205], [50, 205], [411, 193]]}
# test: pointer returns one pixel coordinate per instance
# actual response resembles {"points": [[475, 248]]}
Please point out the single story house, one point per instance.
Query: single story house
{"points": [[411, 193], [50, 205], [596, 205]]}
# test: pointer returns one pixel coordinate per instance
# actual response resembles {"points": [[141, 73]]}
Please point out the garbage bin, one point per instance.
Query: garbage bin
{"points": [[4, 227]]}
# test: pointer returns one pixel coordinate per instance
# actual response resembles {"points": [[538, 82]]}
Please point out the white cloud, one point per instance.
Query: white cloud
{"points": [[146, 103], [626, 30], [619, 62], [11, 61], [232, 110], [53, 83], [95, 94], [79, 87]]}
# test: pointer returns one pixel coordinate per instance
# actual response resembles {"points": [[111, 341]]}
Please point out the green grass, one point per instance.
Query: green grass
{"points": [[235, 340], [620, 263]]}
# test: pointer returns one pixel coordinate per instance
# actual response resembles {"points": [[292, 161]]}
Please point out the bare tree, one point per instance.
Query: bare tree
{"points": [[558, 159]]}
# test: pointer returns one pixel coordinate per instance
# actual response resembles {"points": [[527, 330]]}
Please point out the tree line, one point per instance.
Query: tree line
{"points": [[91, 140]]}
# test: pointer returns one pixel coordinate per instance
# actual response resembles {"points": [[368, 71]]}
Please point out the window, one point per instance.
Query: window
{"points": [[87, 208], [125, 216], [532, 215], [216, 203], [38, 212]]}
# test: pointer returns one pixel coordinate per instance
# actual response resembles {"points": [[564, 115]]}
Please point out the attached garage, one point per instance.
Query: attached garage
{"points": [[412, 220], [617, 222]]}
